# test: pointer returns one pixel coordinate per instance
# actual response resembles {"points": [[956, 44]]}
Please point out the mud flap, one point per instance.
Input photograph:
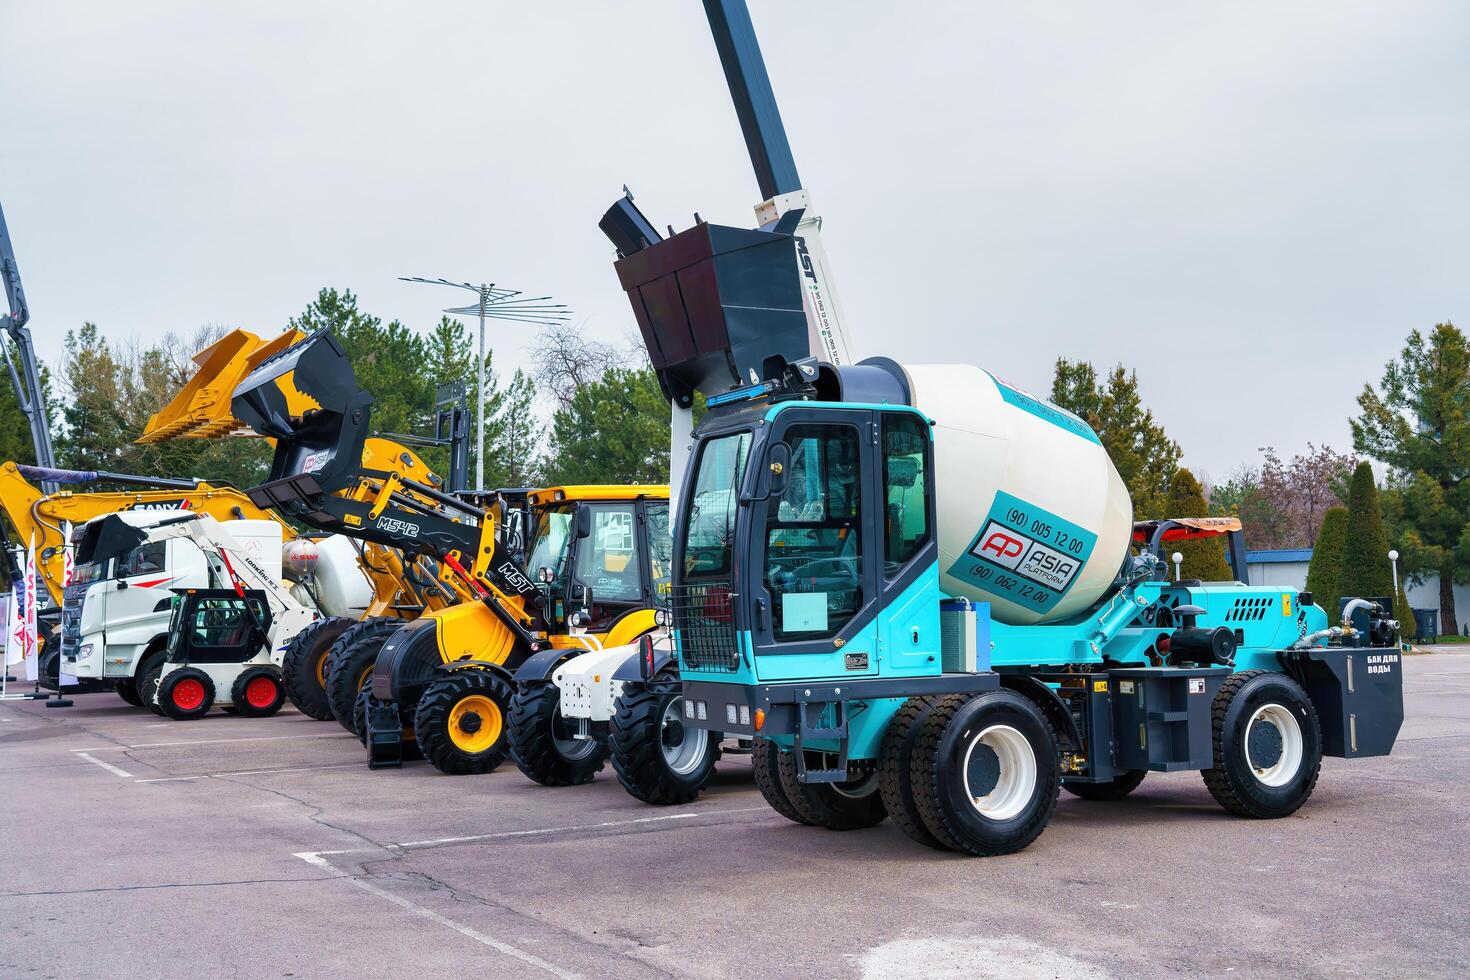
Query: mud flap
{"points": [[1358, 693]]}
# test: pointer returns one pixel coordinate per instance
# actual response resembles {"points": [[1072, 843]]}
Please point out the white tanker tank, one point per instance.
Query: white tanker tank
{"points": [[329, 570], [1033, 516]]}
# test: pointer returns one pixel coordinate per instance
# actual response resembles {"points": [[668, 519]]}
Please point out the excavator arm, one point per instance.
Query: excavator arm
{"points": [[38, 516]]}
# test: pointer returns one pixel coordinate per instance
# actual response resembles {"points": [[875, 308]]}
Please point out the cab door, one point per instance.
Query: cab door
{"points": [[908, 624], [814, 554], [136, 602]]}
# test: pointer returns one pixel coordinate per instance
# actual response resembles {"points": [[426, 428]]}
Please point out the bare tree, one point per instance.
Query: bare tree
{"points": [[568, 360]]}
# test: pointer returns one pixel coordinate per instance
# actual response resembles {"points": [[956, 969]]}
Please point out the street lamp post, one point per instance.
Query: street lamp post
{"points": [[496, 303]]}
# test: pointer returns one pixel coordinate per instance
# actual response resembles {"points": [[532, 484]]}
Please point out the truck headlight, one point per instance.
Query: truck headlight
{"points": [[84, 652]]}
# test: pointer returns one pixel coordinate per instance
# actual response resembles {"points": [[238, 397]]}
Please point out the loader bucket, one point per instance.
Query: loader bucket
{"points": [[306, 398], [201, 409], [713, 304]]}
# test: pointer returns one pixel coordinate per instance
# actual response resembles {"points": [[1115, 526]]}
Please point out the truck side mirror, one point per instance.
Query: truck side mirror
{"points": [[584, 522], [778, 468]]}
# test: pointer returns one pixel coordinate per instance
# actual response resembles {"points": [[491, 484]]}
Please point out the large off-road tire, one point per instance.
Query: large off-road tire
{"points": [[257, 692], [304, 666], [127, 689], [851, 805], [460, 722], [985, 773], [1113, 789], [895, 774], [186, 693], [351, 659], [657, 759], [765, 761], [541, 743], [1267, 745]]}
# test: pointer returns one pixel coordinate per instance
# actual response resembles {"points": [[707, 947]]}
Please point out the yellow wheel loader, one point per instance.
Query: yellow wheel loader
{"points": [[471, 689]]}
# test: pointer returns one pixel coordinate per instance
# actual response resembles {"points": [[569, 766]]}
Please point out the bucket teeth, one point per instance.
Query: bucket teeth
{"points": [[201, 409]]}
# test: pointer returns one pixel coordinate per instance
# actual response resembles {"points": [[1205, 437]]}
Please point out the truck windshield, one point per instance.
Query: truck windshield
{"points": [[88, 572], [549, 545], [709, 541]]}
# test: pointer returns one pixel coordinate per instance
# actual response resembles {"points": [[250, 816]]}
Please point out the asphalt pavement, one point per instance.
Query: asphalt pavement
{"points": [[138, 846]]}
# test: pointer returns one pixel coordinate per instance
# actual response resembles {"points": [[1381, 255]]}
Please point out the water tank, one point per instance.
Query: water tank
{"points": [[299, 559], [1033, 517], [340, 585]]}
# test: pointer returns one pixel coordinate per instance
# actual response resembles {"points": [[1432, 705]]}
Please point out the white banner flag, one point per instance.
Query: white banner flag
{"points": [[65, 679], [32, 651], [12, 643]]}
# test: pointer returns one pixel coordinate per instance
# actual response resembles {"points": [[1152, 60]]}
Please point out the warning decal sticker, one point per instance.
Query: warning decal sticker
{"points": [[1025, 554]]}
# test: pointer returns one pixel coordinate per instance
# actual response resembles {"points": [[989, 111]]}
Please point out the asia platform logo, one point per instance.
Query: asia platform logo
{"points": [[1011, 550]]}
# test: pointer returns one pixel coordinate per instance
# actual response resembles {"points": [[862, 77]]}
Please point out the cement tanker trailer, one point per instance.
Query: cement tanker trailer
{"points": [[913, 588]]}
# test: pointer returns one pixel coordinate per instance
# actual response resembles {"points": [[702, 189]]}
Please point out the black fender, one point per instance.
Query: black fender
{"points": [[1069, 739], [459, 666], [407, 662], [540, 666], [664, 658]]}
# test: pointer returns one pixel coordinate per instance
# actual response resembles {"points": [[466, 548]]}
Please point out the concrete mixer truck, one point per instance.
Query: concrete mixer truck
{"points": [[921, 590]]}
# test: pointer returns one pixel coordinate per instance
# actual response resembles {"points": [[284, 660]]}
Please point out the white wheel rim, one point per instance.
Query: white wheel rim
{"points": [[687, 756], [1017, 780], [1285, 768]]}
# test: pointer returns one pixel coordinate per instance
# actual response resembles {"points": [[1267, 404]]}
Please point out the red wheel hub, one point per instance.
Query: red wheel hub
{"points": [[260, 692], [188, 694]]}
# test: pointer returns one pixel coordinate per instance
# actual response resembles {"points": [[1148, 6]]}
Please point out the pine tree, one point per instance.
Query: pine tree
{"points": [[1365, 571], [1326, 566], [615, 430], [1145, 456], [1204, 558], [1418, 422]]}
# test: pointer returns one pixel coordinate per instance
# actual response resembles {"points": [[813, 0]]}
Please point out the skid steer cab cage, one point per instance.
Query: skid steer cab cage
{"points": [[218, 626]]}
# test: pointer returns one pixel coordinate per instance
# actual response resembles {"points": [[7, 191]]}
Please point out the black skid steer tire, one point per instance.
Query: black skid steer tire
{"points": [[186, 694], [303, 666], [350, 659], [442, 722], [541, 744]]}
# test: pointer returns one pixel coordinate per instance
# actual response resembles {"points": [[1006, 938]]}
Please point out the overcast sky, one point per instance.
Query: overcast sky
{"points": [[1251, 204]]}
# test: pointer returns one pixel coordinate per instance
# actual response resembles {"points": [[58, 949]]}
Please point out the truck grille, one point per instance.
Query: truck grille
{"points": [[71, 621], [704, 625]]}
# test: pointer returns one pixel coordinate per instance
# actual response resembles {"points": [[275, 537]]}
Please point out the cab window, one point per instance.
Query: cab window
{"points": [[813, 565], [223, 622], [660, 552], [608, 561], [905, 490], [146, 559]]}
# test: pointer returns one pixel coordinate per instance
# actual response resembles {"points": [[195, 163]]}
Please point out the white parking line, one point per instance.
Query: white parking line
{"points": [[409, 845], [315, 859], [106, 765], [211, 741], [250, 772]]}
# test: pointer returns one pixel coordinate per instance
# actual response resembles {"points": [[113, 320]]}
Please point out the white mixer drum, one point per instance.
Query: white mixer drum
{"points": [[1033, 517], [341, 586]]}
